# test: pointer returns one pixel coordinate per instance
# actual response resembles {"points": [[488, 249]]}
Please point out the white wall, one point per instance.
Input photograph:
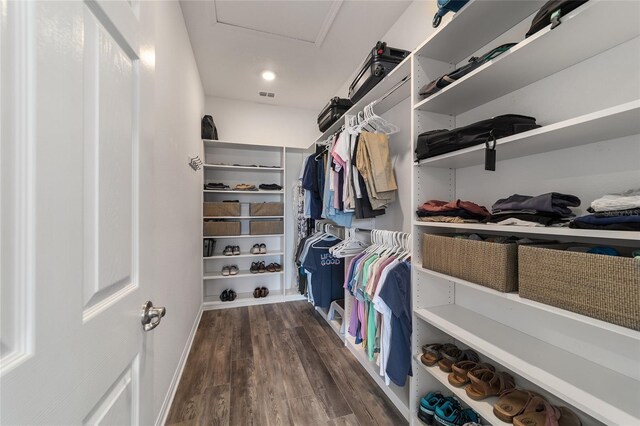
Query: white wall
{"points": [[254, 123], [177, 194]]}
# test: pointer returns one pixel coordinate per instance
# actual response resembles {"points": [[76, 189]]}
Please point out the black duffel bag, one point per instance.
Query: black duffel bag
{"points": [[208, 128], [442, 82], [551, 12], [438, 142]]}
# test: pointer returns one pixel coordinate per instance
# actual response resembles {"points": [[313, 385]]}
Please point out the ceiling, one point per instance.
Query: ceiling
{"points": [[312, 46]]}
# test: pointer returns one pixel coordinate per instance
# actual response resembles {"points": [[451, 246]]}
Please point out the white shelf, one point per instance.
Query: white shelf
{"points": [[484, 408], [243, 236], [374, 370], [473, 26], [243, 217], [610, 123], [541, 307], [541, 55], [221, 256], [241, 274], [231, 167], [259, 192], [597, 391], [399, 73], [247, 299], [208, 143], [542, 231]]}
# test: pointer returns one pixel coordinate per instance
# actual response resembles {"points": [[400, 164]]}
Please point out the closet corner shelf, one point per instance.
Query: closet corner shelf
{"points": [[484, 408], [396, 398], [247, 299], [231, 167], [400, 72], [260, 192], [230, 258], [243, 217], [210, 143], [243, 236], [241, 274], [539, 307], [548, 231], [610, 123], [541, 55], [602, 393], [473, 26]]}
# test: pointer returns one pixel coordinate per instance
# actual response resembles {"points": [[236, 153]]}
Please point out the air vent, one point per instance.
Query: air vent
{"points": [[267, 94]]}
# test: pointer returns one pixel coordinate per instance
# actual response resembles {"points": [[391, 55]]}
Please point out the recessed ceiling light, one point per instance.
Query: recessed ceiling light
{"points": [[268, 75]]}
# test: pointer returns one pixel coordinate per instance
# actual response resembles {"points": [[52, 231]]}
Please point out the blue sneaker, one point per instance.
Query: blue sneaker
{"points": [[428, 406], [451, 414]]}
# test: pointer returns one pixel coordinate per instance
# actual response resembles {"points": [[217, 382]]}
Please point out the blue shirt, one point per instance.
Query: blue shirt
{"points": [[327, 272], [313, 181], [396, 293]]}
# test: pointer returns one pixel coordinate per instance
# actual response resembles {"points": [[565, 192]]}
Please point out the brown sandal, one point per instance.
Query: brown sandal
{"points": [[431, 353], [511, 404], [485, 383], [538, 412], [459, 371], [568, 417], [451, 355]]}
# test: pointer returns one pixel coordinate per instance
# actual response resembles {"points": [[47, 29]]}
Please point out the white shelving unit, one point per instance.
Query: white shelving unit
{"points": [[235, 163], [577, 361]]}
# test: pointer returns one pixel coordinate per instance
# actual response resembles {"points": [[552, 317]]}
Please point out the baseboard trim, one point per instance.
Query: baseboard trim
{"points": [[171, 393]]}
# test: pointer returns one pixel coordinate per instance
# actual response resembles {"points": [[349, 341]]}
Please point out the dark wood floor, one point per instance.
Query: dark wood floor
{"points": [[278, 364]]}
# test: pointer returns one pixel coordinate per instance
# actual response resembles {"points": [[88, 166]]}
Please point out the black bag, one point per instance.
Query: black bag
{"points": [[442, 82], [437, 142], [378, 64], [551, 12], [332, 112], [208, 129], [208, 246]]}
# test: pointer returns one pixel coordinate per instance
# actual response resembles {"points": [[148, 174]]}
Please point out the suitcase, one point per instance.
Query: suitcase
{"points": [[551, 12], [332, 112], [474, 63], [378, 64], [446, 6], [438, 142]]}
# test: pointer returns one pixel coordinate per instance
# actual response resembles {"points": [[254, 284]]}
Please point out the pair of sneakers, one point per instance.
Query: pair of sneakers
{"points": [[260, 292], [228, 295], [257, 267], [231, 251], [445, 411], [230, 270], [259, 249]]}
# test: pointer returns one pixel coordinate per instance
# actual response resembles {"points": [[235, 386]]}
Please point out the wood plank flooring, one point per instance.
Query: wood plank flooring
{"points": [[278, 364]]}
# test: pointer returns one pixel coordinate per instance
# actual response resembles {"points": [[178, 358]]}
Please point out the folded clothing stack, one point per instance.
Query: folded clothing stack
{"points": [[550, 209], [244, 187], [452, 212], [270, 187], [616, 212], [216, 186], [495, 239]]}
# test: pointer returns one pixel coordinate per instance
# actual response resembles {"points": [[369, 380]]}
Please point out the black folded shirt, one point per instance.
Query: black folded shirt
{"points": [[270, 187]]}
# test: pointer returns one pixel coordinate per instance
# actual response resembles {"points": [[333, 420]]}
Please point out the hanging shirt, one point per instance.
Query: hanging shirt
{"points": [[387, 315], [396, 293], [313, 181], [327, 272]]}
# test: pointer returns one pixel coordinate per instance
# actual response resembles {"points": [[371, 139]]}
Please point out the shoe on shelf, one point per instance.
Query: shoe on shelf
{"points": [[277, 267], [228, 251], [256, 249], [451, 413], [261, 268], [428, 404], [231, 295], [224, 296], [257, 292], [263, 248], [254, 268], [271, 267], [233, 270], [236, 250], [264, 292], [226, 271]]}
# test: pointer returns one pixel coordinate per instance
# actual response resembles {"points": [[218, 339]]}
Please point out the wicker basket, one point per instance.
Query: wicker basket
{"points": [[265, 227], [266, 209], [221, 227], [598, 286], [221, 209], [488, 264]]}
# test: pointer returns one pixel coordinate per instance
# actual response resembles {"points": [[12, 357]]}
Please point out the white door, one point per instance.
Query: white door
{"points": [[74, 99]]}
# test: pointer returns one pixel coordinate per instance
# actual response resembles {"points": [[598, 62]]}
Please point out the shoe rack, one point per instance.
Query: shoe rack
{"points": [[234, 164], [583, 148]]}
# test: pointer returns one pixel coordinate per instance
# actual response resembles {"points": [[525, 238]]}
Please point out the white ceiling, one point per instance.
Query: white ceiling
{"points": [[312, 46]]}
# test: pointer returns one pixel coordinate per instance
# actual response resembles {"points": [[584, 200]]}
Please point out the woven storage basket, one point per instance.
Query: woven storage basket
{"points": [[266, 209], [264, 227], [221, 209], [220, 227], [488, 264], [598, 286]]}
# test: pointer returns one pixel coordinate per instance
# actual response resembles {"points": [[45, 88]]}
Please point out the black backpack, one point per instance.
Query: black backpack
{"points": [[551, 12], [208, 129]]}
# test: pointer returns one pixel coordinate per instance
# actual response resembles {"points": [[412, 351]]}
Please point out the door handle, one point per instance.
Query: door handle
{"points": [[151, 316]]}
